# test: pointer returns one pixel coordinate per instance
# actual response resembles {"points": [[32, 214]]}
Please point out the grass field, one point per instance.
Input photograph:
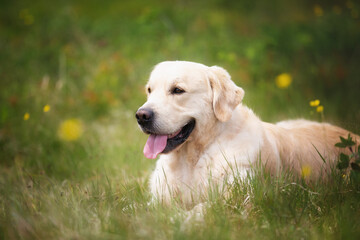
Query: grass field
{"points": [[72, 76]]}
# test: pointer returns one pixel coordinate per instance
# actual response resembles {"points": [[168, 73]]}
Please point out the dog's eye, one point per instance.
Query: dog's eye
{"points": [[149, 90], [177, 91]]}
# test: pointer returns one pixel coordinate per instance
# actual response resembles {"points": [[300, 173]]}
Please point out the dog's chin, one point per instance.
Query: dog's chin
{"points": [[178, 138]]}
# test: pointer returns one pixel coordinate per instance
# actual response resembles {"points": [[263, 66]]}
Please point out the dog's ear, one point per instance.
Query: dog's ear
{"points": [[226, 95]]}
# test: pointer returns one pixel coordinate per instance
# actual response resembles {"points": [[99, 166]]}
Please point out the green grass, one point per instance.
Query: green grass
{"points": [[90, 60], [104, 207]]}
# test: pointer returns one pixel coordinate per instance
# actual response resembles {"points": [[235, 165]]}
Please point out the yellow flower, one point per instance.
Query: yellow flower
{"points": [[283, 80], [315, 103], [29, 19], [26, 16], [46, 108], [70, 129], [318, 11], [26, 116], [305, 171], [320, 108], [349, 4]]}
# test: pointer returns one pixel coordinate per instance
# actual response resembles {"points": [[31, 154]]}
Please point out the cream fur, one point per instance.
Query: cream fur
{"points": [[227, 135]]}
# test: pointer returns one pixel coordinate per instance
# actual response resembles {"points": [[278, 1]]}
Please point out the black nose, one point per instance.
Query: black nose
{"points": [[144, 116]]}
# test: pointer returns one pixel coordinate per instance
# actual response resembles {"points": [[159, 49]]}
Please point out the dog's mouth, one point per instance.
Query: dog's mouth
{"points": [[157, 143]]}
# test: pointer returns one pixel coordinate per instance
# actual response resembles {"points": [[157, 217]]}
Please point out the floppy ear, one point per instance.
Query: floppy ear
{"points": [[226, 95]]}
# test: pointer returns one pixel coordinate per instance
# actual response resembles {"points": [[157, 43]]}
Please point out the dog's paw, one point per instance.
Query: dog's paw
{"points": [[194, 217]]}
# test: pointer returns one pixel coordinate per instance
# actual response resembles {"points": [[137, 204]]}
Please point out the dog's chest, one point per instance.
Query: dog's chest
{"points": [[179, 179]]}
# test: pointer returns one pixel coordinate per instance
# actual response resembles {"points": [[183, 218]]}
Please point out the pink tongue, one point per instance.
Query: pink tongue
{"points": [[155, 145]]}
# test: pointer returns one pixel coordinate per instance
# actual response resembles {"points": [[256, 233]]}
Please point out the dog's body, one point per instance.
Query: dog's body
{"points": [[194, 114]]}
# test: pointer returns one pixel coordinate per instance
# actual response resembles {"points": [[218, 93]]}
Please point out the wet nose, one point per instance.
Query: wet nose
{"points": [[144, 116]]}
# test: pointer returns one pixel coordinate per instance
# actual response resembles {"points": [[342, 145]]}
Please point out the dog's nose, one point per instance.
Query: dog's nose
{"points": [[144, 116]]}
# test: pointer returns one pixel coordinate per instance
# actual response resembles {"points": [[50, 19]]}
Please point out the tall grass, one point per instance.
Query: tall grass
{"points": [[114, 208]]}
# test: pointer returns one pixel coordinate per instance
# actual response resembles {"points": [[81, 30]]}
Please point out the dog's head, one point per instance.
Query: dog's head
{"points": [[185, 100]]}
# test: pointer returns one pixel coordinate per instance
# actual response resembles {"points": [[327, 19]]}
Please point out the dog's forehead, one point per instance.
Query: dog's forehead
{"points": [[177, 71]]}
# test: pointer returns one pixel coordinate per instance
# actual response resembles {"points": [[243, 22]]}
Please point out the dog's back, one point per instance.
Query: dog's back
{"points": [[303, 143]]}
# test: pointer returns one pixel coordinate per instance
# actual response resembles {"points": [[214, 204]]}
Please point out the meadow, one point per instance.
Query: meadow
{"points": [[72, 76]]}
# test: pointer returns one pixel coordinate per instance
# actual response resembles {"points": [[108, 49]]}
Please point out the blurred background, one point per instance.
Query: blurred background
{"points": [[72, 73]]}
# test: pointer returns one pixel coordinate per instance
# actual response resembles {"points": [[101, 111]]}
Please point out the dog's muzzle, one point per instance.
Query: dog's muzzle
{"points": [[159, 142]]}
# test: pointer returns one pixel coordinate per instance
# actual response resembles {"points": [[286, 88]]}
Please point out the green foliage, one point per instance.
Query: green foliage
{"points": [[345, 143], [343, 161], [352, 159]]}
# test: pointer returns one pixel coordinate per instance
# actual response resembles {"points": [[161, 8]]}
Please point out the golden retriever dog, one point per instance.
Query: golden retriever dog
{"points": [[202, 132]]}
